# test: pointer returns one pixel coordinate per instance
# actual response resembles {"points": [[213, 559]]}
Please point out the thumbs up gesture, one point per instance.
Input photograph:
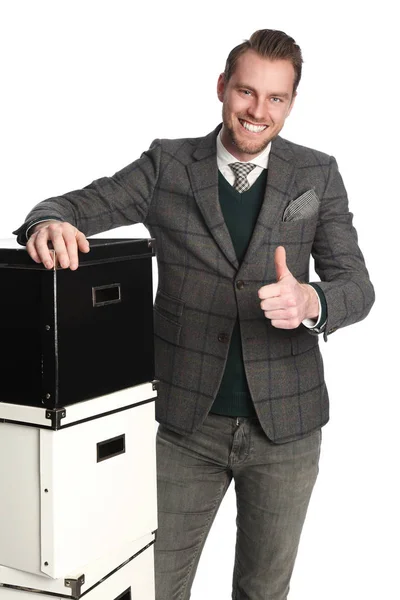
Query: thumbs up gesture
{"points": [[280, 263], [287, 302]]}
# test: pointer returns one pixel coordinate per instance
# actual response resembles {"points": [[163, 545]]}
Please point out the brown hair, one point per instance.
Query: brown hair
{"points": [[268, 43]]}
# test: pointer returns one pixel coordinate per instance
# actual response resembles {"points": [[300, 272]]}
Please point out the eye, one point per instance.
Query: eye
{"points": [[246, 92], [276, 100]]}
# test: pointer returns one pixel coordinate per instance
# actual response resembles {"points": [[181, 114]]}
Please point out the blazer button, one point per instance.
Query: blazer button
{"points": [[240, 284], [223, 337]]}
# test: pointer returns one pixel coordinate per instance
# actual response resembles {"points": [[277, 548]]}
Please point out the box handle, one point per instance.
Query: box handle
{"points": [[110, 448], [126, 595], [106, 294]]}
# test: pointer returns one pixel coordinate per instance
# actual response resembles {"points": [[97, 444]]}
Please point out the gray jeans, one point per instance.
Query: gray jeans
{"points": [[273, 484]]}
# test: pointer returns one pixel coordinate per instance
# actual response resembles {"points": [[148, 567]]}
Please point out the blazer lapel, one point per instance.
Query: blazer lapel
{"points": [[281, 172], [203, 175]]}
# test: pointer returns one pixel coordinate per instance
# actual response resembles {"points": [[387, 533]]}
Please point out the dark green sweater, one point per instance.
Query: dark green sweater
{"points": [[240, 213]]}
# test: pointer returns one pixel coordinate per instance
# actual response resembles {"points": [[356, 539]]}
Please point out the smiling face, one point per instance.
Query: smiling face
{"points": [[257, 99]]}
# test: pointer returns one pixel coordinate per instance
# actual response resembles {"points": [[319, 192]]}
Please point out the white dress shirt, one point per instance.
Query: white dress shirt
{"points": [[224, 158]]}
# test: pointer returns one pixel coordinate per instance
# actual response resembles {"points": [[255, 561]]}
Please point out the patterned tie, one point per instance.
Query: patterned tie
{"points": [[241, 170]]}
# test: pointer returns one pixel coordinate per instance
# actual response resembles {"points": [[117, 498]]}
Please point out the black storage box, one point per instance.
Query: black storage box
{"points": [[68, 336]]}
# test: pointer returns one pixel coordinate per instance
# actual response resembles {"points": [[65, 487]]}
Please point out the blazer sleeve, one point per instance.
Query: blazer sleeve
{"points": [[339, 262], [106, 203]]}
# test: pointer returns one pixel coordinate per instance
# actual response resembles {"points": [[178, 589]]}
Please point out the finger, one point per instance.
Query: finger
{"points": [[283, 324], [281, 314], [272, 290], [30, 247], [83, 242], [72, 239], [276, 303], [280, 263], [40, 240], [75, 240], [58, 238]]}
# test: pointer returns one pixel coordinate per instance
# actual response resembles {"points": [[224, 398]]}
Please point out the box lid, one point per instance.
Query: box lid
{"points": [[80, 412], [13, 254]]}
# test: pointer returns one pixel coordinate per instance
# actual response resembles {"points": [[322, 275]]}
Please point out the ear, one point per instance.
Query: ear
{"points": [[221, 87]]}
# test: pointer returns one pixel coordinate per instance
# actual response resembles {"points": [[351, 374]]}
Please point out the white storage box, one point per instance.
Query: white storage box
{"points": [[72, 495], [16, 585]]}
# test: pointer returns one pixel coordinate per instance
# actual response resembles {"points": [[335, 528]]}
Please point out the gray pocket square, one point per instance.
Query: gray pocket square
{"points": [[303, 207]]}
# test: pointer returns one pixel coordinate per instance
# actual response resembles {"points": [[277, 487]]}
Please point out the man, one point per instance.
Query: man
{"points": [[236, 216]]}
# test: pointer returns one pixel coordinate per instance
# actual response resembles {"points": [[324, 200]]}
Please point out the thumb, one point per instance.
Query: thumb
{"points": [[280, 263]]}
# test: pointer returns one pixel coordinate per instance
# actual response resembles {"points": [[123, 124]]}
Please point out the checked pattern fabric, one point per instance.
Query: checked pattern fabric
{"points": [[173, 189], [241, 170]]}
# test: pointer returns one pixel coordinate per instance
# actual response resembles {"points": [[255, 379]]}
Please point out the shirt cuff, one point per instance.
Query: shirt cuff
{"points": [[22, 232], [40, 221], [319, 325]]}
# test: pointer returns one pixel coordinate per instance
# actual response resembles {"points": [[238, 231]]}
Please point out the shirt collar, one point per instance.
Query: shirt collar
{"points": [[224, 157]]}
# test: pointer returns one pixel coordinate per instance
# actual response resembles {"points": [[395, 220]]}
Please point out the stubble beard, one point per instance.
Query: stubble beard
{"points": [[246, 148], [249, 148]]}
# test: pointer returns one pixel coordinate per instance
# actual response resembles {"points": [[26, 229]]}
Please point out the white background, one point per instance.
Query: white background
{"points": [[86, 86]]}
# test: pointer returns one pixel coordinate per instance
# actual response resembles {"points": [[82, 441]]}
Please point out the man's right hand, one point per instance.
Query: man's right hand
{"points": [[66, 240]]}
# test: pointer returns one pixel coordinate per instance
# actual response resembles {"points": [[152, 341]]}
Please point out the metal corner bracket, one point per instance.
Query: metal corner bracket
{"points": [[151, 242], [55, 415], [75, 585]]}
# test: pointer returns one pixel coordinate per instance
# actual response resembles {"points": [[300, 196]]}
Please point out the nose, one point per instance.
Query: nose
{"points": [[257, 110]]}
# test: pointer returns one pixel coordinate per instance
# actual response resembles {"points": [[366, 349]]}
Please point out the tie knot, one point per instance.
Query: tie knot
{"points": [[241, 170]]}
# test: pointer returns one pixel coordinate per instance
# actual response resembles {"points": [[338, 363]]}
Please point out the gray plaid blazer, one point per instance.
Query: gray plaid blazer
{"points": [[173, 190]]}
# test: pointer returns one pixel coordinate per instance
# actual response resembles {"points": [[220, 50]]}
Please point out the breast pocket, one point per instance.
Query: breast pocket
{"points": [[298, 231]]}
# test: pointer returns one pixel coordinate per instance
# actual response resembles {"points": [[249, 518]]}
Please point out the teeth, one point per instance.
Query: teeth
{"points": [[253, 128]]}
